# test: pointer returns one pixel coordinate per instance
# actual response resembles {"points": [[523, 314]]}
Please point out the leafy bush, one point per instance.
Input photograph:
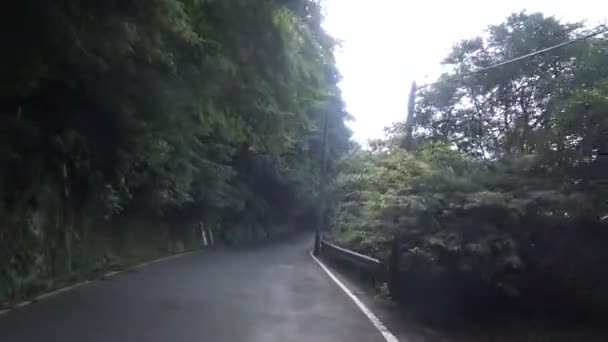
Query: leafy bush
{"points": [[503, 187]]}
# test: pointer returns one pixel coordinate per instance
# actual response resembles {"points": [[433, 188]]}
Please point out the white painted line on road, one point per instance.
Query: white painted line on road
{"points": [[4, 312], [22, 304], [111, 274], [61, 290], [388, 336], [167, 258]]}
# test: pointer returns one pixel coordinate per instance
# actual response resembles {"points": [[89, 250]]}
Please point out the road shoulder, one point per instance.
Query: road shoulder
{"points": [[395, 320]]}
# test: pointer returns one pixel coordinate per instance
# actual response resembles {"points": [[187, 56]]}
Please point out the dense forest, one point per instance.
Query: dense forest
{"points": [[123, 124], [126, 124], [500, 201]]}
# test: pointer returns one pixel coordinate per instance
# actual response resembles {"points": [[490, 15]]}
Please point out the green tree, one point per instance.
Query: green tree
{"points": [[177, 110], [502, 193]]}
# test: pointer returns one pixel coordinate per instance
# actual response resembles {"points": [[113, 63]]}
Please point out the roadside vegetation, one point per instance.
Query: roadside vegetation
{"points": [[498, 206], [123, 124]]}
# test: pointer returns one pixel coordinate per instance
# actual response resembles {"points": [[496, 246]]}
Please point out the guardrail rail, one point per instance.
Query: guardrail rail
{"points": [[366, 265]]}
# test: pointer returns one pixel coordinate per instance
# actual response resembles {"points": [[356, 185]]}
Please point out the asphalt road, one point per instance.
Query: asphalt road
{"points": [[274, 292]]}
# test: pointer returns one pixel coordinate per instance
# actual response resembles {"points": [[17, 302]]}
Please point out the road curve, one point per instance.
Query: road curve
{"points": [[267, 293]]}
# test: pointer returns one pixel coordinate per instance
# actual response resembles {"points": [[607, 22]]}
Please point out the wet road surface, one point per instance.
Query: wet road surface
{"points": [[273, 292]]}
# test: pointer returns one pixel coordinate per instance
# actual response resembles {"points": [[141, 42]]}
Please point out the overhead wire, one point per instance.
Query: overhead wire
{"points": [[601, 29]]}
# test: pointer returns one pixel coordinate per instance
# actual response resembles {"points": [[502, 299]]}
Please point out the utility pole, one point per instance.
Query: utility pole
{"points": [[68, 219], [409, 122], [395, 256], [321, 190]]}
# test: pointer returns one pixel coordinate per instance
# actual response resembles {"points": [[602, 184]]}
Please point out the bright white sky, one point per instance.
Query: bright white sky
{"points": [[387, 44]]}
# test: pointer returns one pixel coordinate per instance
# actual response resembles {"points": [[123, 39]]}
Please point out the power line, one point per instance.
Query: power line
{"points": [[599, 30]]}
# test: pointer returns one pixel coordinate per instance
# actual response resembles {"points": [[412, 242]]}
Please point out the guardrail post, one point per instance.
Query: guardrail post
{"points": [[393, 267], [317, 247]]}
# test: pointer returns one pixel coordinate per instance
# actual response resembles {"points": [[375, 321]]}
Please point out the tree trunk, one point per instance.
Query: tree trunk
{"points": [[68, 221], [321, 204], [409, 121]]}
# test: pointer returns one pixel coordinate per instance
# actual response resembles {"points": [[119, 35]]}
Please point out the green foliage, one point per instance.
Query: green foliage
{"points": [[183, 110], [505, 186], [512, 109]]}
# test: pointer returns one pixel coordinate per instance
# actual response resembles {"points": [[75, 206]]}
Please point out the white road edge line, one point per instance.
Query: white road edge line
{"points": [[388, 336], [61, 290], [22, 304]]}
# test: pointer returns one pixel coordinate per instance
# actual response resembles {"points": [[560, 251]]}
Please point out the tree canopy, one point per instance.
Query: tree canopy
{"points": [[176, 109], [506, 181]]}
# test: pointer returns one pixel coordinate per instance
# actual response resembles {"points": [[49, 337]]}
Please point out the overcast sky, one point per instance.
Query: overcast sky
{"points": [[387, 44]]}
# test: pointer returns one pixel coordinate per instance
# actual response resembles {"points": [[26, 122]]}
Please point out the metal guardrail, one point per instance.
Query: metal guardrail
{"points": [[365, 264]]}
